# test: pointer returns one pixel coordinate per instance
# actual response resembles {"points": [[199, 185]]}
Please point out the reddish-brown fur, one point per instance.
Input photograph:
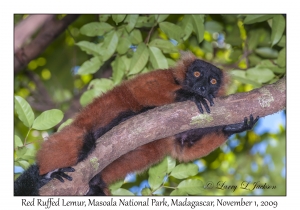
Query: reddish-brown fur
{"points": [[152, 89]]}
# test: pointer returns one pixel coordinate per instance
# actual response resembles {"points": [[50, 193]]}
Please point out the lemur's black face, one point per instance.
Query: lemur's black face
{"points": [[203, 79]]}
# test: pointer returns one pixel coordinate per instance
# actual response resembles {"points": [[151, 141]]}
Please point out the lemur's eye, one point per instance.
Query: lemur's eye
{"points": [[213, 81], [197, 74]]}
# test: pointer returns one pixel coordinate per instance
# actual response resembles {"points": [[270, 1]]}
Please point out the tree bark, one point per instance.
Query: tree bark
{"points": [[46, 35], [167, 121]]}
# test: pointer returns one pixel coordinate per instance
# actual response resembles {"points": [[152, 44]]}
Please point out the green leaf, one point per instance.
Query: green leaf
{"points": [[95, 29], [191, 186], [139, 59], [183, 170], [171, 62], [124, 44], [270, 65], [282, 41], [21, 152], [135, 36], [256, 18], [278, 27], [281, 60], [160, 18], [109, 45], [165, 45], [29, 154], [48, 119], [90, 48], [24, 111], [145, 21], [260, 75], [119, 68], [116, 185], [171, 30], [213, 26], [157, 59], [121, 191], [90, 66], [171, 163], [131, 21], [198, 26], [178, 192], [118, 18], [68, 122], [24, 164], [157, 174], [146, 191], [266, 52], [101, 85], [88, 96], [18, 142], [103, 18], [241, 76], [187, 26]]}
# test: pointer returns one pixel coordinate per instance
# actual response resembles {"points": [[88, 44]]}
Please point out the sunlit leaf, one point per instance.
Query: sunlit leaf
{"points": [[198, 26], [256, 18], [68, 122], [157, 174], [131, 21], [121, 191], [24, 164], [135, 36], [24, 111], [178, 192], [102, 84], [146, 191], [90, 48], [173, 31], [171, 163], [118, 18], [157, 59], [145, 21], [109, 45], [116, 185], [119, 68], [281, 61], [183, 170], [18, 142], [241, 76], [278, 27], [88, 96], [90, 66], [139, 59], [191, 186], [124, 44], [95, 29], [187, 26], [103, 18], [165, 45], [260, 75], [48, 119]]}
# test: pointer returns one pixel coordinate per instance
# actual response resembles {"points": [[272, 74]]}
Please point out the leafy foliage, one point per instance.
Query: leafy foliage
{"points": [[98, 52]]}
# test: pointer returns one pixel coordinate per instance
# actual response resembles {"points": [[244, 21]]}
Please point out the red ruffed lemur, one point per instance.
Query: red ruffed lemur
{"points": [[191, 79]]}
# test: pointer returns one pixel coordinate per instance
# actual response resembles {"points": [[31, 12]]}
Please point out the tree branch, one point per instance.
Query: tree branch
{"points": [[47, 34], [167, 121], [27, 27]]}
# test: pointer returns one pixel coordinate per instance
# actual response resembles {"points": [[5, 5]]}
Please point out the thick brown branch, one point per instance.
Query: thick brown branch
{"points": [[166, 121], [27, 27], [47, 34]]}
